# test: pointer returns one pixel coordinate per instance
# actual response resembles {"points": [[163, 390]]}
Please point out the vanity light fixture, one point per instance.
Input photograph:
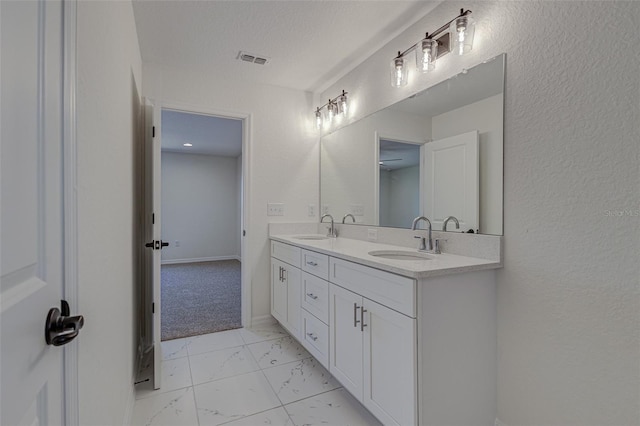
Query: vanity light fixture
{"points": [[456, 35], [334, 107]]}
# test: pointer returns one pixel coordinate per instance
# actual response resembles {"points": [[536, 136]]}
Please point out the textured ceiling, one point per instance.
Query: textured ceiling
{"points": [[310, 44]]}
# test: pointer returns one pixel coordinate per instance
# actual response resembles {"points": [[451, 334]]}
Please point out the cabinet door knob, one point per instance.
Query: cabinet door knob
{"points": [[355, 315]]}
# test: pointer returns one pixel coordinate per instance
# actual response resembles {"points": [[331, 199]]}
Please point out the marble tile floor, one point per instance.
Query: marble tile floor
{"points": [[246, 377]]}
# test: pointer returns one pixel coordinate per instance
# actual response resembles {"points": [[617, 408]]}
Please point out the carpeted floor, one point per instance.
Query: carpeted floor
{"points": [[200, 298]]}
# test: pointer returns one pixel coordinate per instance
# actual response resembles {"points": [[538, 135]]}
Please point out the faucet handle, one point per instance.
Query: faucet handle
{"points": [[423, 242], [436, 245]]}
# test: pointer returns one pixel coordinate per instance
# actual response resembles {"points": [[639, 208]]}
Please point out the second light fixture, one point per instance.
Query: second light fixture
{"points": [[334, 107]]}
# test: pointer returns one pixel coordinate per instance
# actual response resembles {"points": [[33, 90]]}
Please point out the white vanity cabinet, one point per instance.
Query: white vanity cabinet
{"points": [[413, 351], [285, 286], [373, 348]]}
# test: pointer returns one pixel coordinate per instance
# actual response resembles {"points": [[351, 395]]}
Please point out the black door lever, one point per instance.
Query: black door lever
{"points": [[60, 328]]}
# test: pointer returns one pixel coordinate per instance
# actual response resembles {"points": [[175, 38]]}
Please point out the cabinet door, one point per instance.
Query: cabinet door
{"points": [[278, 291], [345, 342], [390, 374], [292, 277]]}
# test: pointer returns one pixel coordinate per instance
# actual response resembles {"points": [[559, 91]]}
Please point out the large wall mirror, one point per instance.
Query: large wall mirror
{"points": [[438, 153]]}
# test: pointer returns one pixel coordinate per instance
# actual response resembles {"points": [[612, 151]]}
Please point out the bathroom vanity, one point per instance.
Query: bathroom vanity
{"points": [[411, 335]]}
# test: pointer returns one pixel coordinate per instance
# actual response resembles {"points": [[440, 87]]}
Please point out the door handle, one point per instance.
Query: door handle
{"points": [[156, 244], [60, 328]]}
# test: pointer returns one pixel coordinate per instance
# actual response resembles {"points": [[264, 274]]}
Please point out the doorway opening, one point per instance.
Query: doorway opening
{"points": [[399, 177], [201, 218]]}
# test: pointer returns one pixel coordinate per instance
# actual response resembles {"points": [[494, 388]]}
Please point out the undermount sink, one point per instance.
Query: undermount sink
{"points": [[310, 237], [399, 255]]}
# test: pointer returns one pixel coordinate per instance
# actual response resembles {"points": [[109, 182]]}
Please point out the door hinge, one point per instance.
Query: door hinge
{"points": [[244, 233], [153, 308], [153, 131]]}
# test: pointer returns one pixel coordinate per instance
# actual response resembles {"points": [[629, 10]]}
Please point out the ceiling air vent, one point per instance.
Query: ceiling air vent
{"points": [[250, 57]]}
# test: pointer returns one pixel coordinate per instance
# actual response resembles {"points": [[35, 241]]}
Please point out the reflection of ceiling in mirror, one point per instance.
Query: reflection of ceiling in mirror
{"points": [[396, 155], [475, 84]]}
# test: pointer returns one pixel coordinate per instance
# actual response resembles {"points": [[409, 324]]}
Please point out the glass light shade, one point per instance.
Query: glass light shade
{"points": [[342, 104], [399, 72], [331, 112], [426, 54], [318, 119], [461, 32]]}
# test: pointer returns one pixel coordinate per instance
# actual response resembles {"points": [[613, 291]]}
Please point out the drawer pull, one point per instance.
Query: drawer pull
{"points": [[280, 270], [313, 296], [312, 263], [312, 336], [355, 315]]}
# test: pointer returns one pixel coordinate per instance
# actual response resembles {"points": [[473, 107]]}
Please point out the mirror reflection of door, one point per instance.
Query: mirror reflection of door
{"points": [[399, 182]]}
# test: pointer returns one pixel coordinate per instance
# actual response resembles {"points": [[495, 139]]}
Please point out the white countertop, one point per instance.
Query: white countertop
{"points": [[358, 251]]}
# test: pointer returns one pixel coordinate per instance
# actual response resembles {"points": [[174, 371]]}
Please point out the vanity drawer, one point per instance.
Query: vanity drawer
{"points": [[315, 296], [315, 338], [315, 263], [285, 252], [393, 291]]}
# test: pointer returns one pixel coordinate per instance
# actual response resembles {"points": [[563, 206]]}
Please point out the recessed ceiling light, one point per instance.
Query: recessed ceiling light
{"points": [[187, 144]]}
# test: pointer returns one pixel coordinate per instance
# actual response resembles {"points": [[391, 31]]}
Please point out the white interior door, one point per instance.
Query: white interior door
{"points": [[31, 230], [452, 181], [153, 229]]}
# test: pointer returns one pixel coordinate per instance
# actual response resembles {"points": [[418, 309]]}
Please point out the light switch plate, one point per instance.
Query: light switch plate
{"points": [[372, 234], [275, 209]]}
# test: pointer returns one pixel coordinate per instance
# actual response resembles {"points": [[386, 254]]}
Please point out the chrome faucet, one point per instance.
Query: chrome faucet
{"points": [[454, 219], [348, 215], [331, 232], [424, 245]]}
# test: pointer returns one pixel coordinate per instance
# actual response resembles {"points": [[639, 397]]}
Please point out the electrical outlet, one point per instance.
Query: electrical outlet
{"points": [[325, 208], [372, 234], [275, 209], [177, 243], [312, 210], [357, 209]]}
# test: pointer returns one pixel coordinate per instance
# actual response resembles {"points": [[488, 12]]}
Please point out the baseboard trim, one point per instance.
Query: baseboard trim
{"points": [[200, 259], [262, 320]]}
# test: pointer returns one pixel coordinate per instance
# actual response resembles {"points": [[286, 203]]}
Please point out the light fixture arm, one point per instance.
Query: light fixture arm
{"points": [[333, 100]]}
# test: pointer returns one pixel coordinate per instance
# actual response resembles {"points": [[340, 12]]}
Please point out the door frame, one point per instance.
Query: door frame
{"points": [[245, 269], [70, 375], [376, 169]]}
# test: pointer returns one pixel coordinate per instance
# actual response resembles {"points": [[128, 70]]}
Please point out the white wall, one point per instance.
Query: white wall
{"points": [[568, 295], [199, 207], [485, 116], [108, 108], [283, 156]]}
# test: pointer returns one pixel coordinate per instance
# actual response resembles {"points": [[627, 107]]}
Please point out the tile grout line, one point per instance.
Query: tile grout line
{"points": [[193, 388]]}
